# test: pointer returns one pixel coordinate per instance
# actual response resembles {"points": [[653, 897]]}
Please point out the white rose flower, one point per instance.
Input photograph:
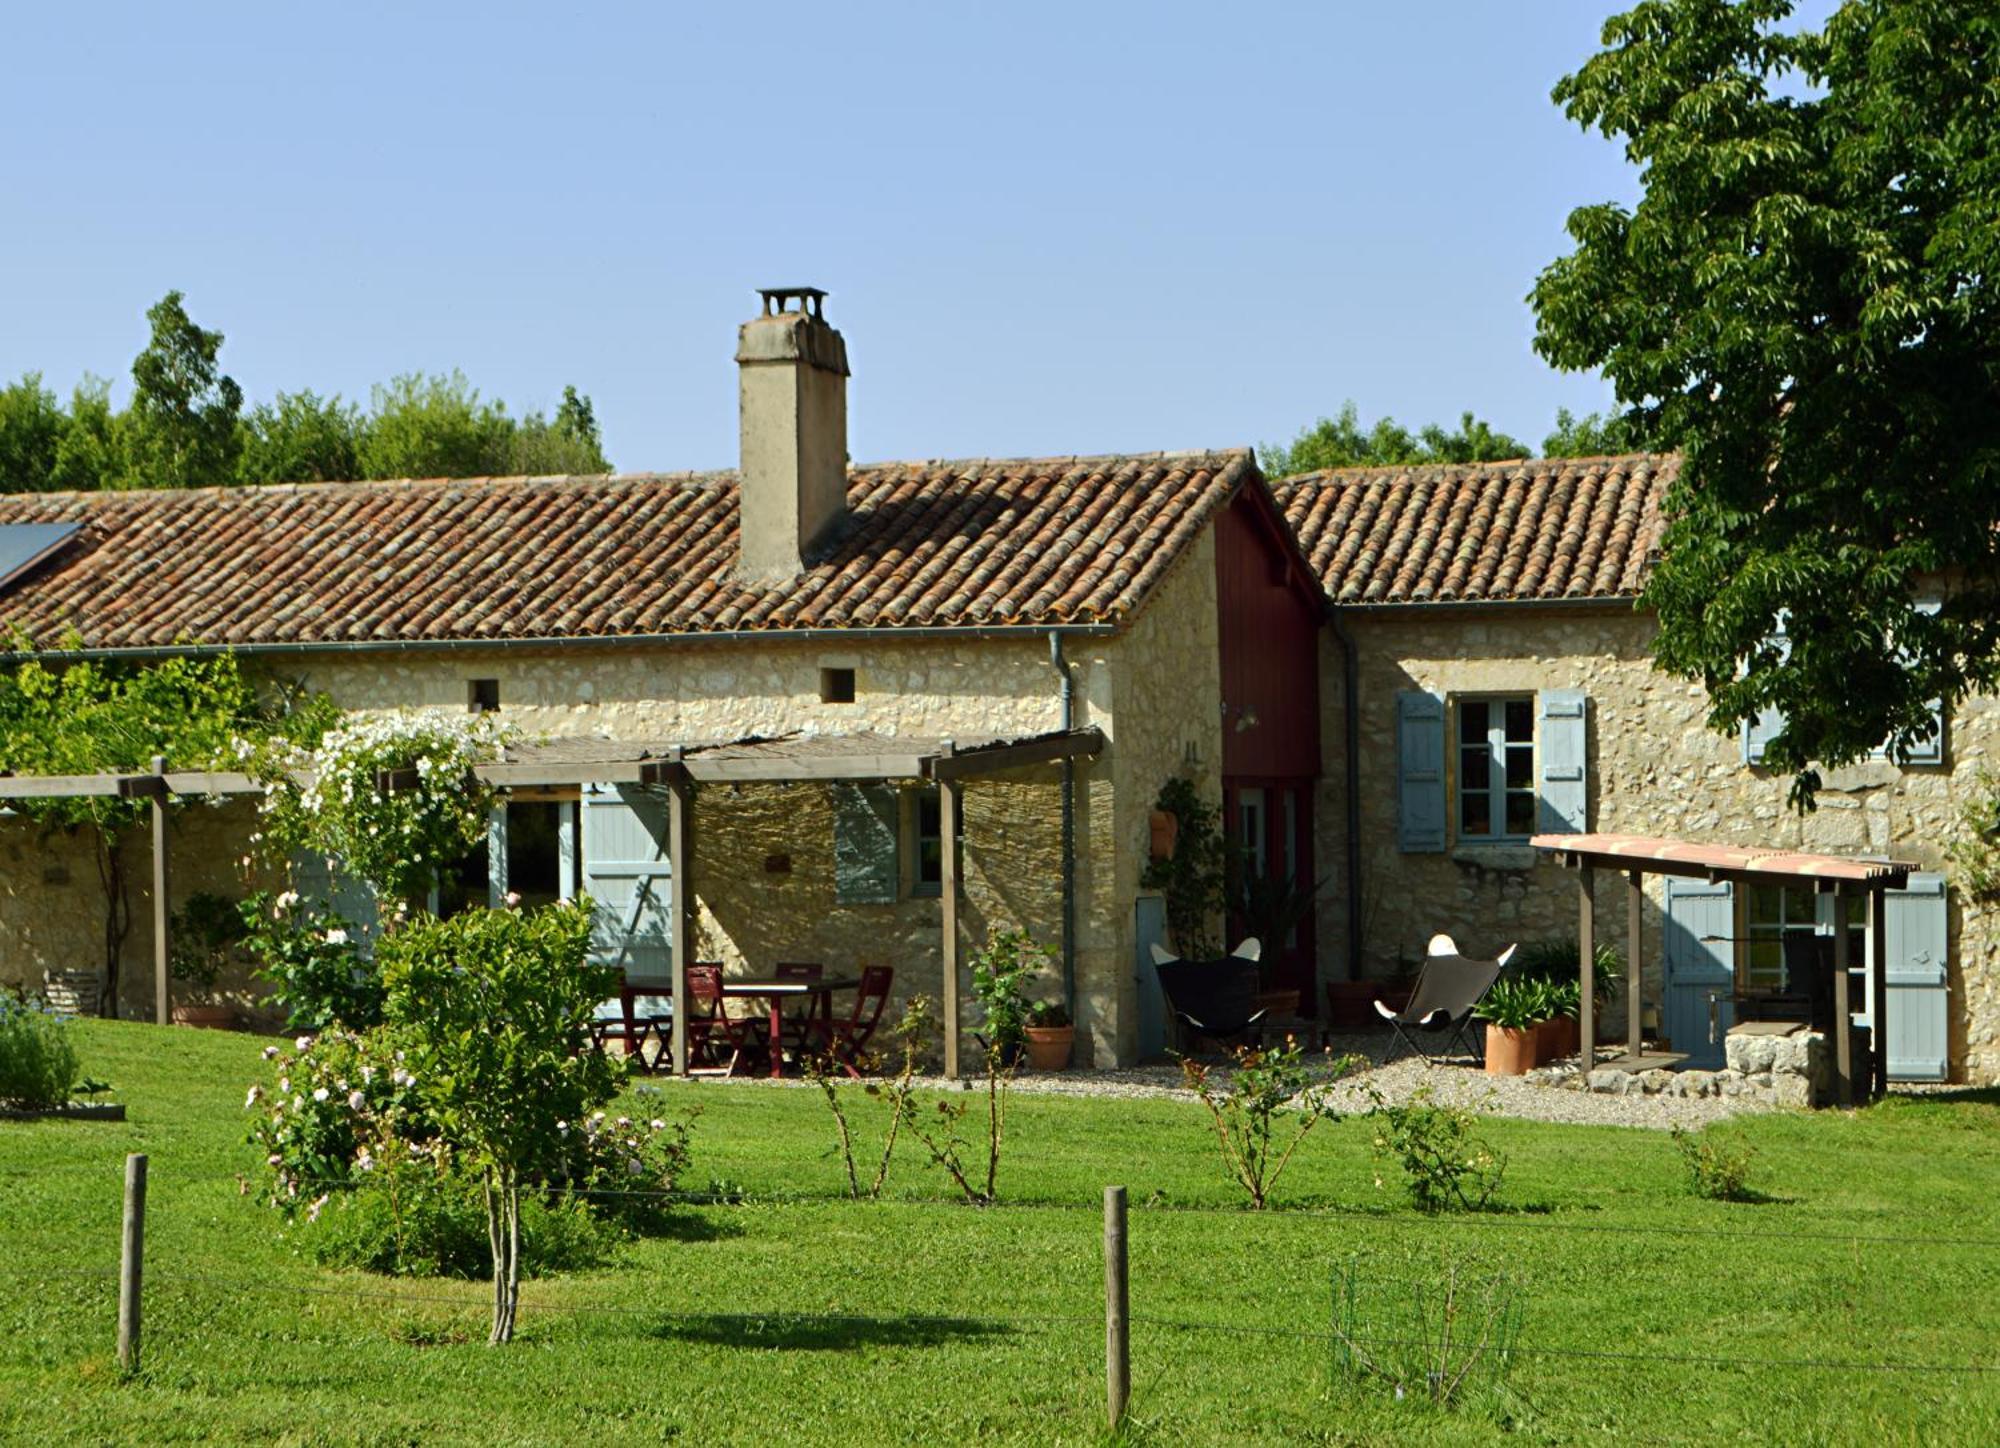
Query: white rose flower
{"points": [[336, 936], [321, 1093]]}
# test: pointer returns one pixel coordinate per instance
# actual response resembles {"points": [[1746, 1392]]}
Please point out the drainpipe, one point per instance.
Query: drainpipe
{"points": [[1350, 708], [1068, 696]]}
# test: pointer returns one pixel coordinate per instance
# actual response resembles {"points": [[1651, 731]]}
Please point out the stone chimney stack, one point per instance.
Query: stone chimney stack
{"points": [[792, 368]]}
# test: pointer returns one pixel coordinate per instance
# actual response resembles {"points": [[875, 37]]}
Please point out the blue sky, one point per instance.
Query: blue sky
{"points": [[1060, 228]]}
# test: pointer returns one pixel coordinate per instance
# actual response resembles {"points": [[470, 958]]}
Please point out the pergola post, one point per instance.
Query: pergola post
{"points": [[1878, 975], [1635, 908], [681, 911], [162, 914], [1843, 1006], [948, 892], [1586, 964]]}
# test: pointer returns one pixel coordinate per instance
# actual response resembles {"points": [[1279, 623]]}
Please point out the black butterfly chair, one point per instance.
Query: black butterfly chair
{"points": [[1212, 998], [1449, 988]]}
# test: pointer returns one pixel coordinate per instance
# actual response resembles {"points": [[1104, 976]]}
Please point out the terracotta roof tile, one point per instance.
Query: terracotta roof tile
{"points": [[1570, 528], [1033, 542]]}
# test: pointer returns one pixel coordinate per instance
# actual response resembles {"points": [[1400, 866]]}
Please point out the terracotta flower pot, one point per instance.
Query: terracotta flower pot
{"points": [[1510, 1050], [1555, 1039], [1049, 1046], [1278, 1005], [212, 1018], [1165, 829]]}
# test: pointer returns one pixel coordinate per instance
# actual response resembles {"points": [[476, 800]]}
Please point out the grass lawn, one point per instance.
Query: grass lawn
{"points": [[987, 1324]]}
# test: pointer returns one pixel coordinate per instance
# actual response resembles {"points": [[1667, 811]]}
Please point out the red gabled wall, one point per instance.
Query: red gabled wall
{"points": [[1269, 620]]}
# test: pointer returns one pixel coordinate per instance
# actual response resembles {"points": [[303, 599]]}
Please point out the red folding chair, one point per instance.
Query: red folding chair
{"points": [[796, 1025], [717, 1042], [845, 1040]]}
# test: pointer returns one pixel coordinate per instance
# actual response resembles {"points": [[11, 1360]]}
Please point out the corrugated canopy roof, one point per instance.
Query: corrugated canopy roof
{"points": [[1657, 856]]}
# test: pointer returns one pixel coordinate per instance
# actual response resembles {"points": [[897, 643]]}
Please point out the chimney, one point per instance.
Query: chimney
{"points": [[792, 370]]}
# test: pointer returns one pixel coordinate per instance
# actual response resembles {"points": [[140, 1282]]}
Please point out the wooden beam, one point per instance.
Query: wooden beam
{"points": [[804, 769], [1586, 964], [519, 775], [142, 786], [212, 781], [1635, 911], [681, 912], [1073, 744], [162, 913], [59, 786], [948, 793], [1878, 974], [1843, 1011]]}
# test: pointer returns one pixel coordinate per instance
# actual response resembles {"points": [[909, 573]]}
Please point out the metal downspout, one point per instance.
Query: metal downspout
{"points": [[1068, 826], [1350, 708]]}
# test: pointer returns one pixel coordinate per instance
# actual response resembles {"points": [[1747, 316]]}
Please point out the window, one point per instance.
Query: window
{"points": [[1776, 911], [1496, 768], [482, 696], [836, 686], [1252, 832], [926, 842]]}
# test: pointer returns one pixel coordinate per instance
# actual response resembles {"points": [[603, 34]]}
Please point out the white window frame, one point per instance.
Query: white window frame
{"points": [[1496, 746]]}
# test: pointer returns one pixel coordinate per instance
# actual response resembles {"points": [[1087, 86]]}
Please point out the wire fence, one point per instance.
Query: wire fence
{"points": [[1551, 1219]]}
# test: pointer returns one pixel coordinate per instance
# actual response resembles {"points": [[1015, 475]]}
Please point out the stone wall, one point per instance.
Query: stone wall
{"points": [[1654, 768], [1152, 691]]}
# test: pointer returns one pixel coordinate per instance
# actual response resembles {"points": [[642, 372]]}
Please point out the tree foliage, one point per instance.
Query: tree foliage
{"points": [[187, 426], [1806, 304], [1342, 442], [183, 421], [494, 1008]]}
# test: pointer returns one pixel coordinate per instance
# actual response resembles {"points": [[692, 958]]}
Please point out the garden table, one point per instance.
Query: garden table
{"points": [[818, 995]]}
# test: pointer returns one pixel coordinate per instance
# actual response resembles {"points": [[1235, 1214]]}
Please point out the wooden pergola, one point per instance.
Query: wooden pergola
{"points": [[1636, 856], [673, 769]]}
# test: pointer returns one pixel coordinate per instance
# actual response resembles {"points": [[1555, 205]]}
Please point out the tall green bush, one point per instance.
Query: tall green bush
{"points": [[38, 1061], [494, 1008]]}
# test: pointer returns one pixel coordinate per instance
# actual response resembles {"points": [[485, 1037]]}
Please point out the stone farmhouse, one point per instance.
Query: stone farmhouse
{"points": [[1387, 680]]}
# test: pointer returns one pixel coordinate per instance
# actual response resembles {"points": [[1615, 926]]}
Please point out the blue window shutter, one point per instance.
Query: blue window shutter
{"points": [[1420, 772], [1769, 723], [629, 878], [1931, 750], [328, 885], [1917, 925], [1564, 753], [866, 829], [1700, 964]]}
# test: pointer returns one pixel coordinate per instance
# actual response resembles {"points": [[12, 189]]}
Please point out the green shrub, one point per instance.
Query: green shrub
{"points": [[416, 1221], [1555, 959], [1449, 1166], [1267, 1085], [1716, 1170], [314, 962], [1516, 1004], [38, 1062], [1000, 972]]}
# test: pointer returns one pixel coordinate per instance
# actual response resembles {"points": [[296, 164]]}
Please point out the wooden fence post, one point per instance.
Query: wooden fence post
{"points": [[1117, 1335], [131, 1258]]}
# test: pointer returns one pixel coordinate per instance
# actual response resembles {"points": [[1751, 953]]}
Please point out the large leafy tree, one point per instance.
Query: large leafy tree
{"points": [[300, 437], [435, 427], [1806, 302], [31, 434], [183, 423], [1342, 442]]}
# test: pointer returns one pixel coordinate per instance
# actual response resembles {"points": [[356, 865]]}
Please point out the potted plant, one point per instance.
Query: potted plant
{"points": [[1555, 959], [206, 936], [1511, 1010], [1561, 1033], [1050, 1034], [999, 972]]}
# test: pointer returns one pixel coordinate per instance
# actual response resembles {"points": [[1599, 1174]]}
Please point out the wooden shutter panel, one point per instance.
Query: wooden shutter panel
{"points": [[1769, 723], [326, 884], [1917, 924], [1420, 827], [1700, 962], [1931, 750], [865, 831], [629, 879], [1563, 750]]}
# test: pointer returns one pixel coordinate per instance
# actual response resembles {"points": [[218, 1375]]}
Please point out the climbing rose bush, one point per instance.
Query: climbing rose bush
{"points": [[397, 839]]}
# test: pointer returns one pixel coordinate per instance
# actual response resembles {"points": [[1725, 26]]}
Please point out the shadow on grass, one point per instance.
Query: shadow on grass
{"points": [[1957, 1096], [686, 1227], [806, 1332]]}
